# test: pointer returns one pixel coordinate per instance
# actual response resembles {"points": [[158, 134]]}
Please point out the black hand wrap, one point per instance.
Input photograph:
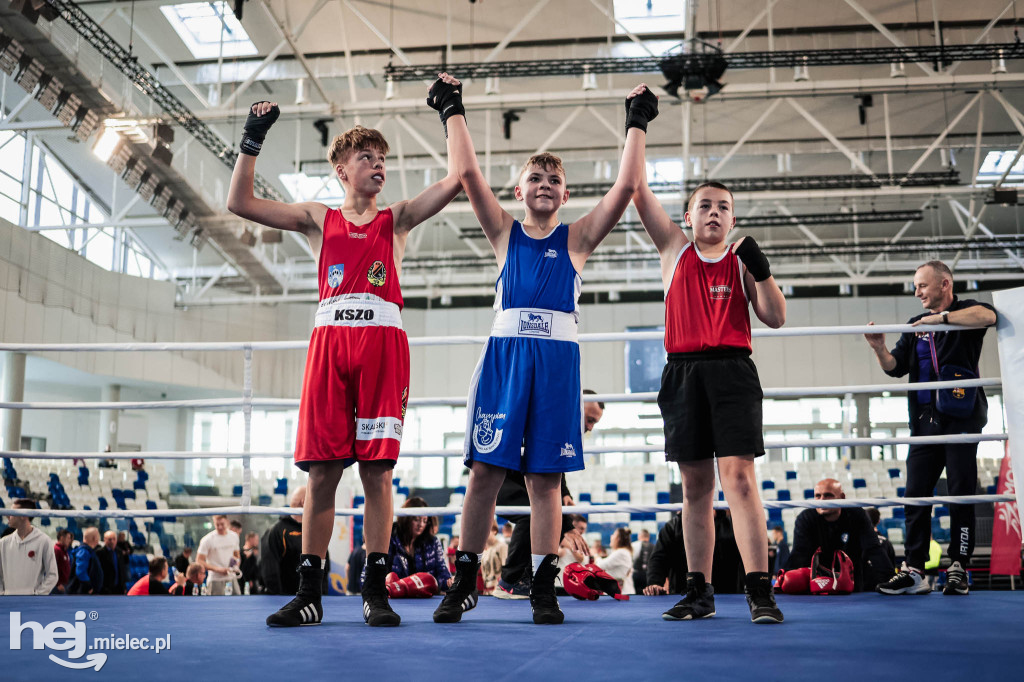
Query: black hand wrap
{"points": [[256, 128], [750, 253], [446, 100], [640, 110]]}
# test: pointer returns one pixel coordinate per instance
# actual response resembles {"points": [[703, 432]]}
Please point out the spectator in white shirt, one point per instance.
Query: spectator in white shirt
{"points": [[619, 562], [28, 564], [218, 554]]}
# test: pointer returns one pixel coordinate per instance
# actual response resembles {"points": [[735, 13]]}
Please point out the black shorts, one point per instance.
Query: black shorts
{"points": [[711, 405]]}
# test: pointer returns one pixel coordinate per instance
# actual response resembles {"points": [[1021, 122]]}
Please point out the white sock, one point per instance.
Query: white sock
{"points": [[537, 560]]}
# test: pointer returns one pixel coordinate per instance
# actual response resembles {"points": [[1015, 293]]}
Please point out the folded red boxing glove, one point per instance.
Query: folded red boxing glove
{"points": [[796, 581], [834, 579], [587, 582], [415, 586]]}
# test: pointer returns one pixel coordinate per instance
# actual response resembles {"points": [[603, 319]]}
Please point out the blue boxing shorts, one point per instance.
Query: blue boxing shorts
{"points": [[525, 409]]}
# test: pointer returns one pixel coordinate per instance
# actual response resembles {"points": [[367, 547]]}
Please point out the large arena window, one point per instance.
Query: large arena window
{"points": [[203, 25]]}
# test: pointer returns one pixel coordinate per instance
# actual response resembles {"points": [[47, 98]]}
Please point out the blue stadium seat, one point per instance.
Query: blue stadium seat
{"points": [[790, 475], [859, 483], [808, 493], [767, 485], [649, 478], [784, 495], [894, 473], [901, 491]]}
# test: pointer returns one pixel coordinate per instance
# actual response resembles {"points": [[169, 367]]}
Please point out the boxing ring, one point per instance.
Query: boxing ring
{"points": [[856, 637]]}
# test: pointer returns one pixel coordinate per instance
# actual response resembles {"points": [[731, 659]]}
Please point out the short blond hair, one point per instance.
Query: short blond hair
{"points": [[355, 139], [548, 162]]}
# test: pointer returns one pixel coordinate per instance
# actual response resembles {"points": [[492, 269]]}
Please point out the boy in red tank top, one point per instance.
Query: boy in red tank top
{"points": [[710, 396], [356, 382]]}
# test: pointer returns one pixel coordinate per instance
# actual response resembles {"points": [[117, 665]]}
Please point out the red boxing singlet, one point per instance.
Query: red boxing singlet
{"points": [[359, 259], [356, 384], [706, 304]]}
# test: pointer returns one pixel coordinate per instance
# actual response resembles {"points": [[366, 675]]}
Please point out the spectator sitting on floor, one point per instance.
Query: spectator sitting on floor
{"points": [[86, 572], [61, 550], [153, 582], [280, 549], [189, 584], [848, 530], [666, 570], [356, 561], [415, 547], [619, 562], [506, 532], [450, 553], [27, 561]]}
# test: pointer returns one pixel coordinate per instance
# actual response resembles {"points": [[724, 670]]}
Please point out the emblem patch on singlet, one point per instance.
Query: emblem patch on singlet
{"points": [[335, 274], [551, 253], [720, 292], [534, 323], [485, 437], [377, 273]]}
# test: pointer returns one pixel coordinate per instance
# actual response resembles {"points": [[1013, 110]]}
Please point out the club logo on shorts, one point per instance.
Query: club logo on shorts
{"points": [[335, 274], [377, 273], [568, 450], [720, 292], [405, 401], [485, 437], [534, 323]]}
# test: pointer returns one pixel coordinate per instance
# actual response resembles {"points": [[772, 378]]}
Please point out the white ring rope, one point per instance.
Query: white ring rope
{"points": [[459, 340], [512, 511], [595, 450], [293, 403]]}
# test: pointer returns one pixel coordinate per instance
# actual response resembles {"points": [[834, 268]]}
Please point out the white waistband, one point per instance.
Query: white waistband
{"points": [[355, 310], [535, 323]]}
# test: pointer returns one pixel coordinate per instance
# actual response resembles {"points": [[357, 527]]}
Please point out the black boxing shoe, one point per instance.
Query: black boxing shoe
{"points": [[761, 599], [462, 595], [377, 611], [542, 593], [697, 603], [306, 608]]}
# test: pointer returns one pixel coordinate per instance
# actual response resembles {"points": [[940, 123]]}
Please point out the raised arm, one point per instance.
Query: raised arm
{"points": [[428, 203], [765, 296], [446, 97], [587, 232], [305, 217]]}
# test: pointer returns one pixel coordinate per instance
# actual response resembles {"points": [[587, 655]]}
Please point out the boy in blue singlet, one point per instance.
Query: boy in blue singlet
{"points": [[525, 408]]}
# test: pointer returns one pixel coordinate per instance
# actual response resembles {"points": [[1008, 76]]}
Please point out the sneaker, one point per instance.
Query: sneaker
{"points": [[956, 580], [907, 581], [462, 595], [543, 601], [299, 611], [518, 590], [698, 601], [761, 599]]}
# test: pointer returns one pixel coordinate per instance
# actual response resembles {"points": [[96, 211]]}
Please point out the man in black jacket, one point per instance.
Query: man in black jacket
{"points": [[667, 567], [280, 549], [849, 530], [923, 356], [114, 577]]}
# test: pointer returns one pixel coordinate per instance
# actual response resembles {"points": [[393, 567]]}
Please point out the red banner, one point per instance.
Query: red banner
{"points": [[1006, 531]]}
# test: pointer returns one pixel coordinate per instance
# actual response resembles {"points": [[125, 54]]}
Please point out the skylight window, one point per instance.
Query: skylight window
{"points": [[649, 16], [302, 187], [996, 163], [201, 25]]}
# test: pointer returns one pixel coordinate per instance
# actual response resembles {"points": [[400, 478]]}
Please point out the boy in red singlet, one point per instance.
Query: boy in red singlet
{"points": [[710, 396], [356, 383]]}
